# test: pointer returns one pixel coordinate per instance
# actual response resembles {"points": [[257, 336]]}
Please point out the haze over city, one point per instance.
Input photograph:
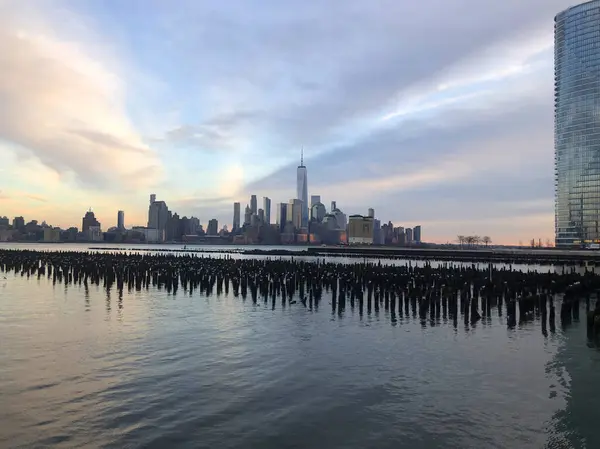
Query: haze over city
{"points": [[433, 113]]}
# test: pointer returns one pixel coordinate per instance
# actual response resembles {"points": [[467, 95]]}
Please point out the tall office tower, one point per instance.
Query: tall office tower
{"points": [[294, 212], [19, 223], [253, 205], [281, 215], [158, 215], [333, 207], [267, 209], [409, 235], [236, 216], [576, 125], [213, 227], [121, 220], [417, 234], [314, 199], [89, 221], [302, 190], [371, 212], [152, 198], [261, 216], [247, 215]]}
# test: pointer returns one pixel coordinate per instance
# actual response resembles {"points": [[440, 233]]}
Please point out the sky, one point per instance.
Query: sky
{"points": [[436, 112]]}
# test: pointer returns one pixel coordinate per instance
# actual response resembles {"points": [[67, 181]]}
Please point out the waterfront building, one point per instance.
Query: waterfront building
{"points": [[52, 235], [213, 227], [247, 216], [294, 213], [89, 220], [267, 209], [281, 216], [18, 223], [417, 234], [371, 212], [317, 212], [236, 216], [261, 216], [253, 204], [121, 220], [577, 125], [360, 230], [158, 214], [302, 191], [409, 236], [314, 199]]}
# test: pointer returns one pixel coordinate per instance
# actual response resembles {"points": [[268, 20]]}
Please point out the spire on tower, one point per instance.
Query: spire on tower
{"points": [[302, 157]]}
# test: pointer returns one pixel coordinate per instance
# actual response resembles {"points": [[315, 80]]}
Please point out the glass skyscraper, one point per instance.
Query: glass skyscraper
{"points": [[577, 124]]}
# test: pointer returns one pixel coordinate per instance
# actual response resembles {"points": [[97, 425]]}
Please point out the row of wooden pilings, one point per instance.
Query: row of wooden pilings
{"points": [[444, 292]]}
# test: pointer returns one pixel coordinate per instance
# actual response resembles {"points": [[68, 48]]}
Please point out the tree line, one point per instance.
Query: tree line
{"points": [[473, 240]]}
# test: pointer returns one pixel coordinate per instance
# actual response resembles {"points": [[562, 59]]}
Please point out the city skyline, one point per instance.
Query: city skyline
{"points": [[459, 141]]}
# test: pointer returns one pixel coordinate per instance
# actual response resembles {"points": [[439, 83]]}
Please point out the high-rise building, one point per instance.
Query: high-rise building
{"points": [[247, 215], [213, 227], [89, 220], [302, 191], [360, 230], [417, 234], [236, 216], [409, 235], [19, 223], [317, 212], [261, 216], [253, 205], [158, 214], [267, 209], [121, 220], [577, 124], [281, 216], [294, 212], [371, 212], [333, 206], [314, 199]]}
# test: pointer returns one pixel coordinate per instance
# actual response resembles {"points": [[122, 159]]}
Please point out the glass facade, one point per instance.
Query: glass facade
{"points": [[577, 124]]}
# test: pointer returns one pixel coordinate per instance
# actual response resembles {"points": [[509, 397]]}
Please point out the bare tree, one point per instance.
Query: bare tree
{"points": [[486, 239], [461, 239]]}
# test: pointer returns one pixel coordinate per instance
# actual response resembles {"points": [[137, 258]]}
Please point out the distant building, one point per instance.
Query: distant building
{"points": [[360, 230], [261, 215], [121, 220], [267, 209], [158, 214], [93, 234], [409, 236], [4, 222], [52, 235], [377, 232], [213, 227], [193, 226], [19, 223], [314, 199], [371, 212], [294, 213], [247, 216], [253, 204], [236, 216], [150, 235], [281, 216], [302, 192], [333, 206], [317, 212], [89, 220], [417, 234]]}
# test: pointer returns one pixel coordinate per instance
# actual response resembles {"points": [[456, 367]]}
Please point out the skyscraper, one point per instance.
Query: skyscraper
{"points": [[121, 220], [294, 212], [302, 190], [371, 212], [247, 215], [577, 124], [236, 216], [314, 199], [253, 205], [267, 209], [417, 234], [213, 227], [281, 215], [158, 215], [89, 220]]}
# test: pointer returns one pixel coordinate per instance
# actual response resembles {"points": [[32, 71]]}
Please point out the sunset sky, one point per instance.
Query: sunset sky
{"points": [[433, 112]]}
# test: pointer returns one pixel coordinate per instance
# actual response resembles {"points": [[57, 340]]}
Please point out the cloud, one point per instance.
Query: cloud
{"points": [[64, 108]]}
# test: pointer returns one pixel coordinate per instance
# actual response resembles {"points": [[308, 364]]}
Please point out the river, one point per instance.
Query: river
{"points": [[80, 368]]}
